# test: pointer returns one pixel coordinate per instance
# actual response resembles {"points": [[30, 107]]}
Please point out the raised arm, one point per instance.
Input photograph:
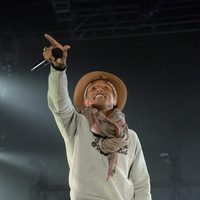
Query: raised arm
{"points": [[58, 98]]}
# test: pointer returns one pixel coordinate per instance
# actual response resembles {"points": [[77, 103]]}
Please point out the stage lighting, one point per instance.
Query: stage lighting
{"points": [[167, 157], [8, 65], [8, 53]]}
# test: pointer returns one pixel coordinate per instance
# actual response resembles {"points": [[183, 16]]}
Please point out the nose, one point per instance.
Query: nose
{"points": [[99, 90]]}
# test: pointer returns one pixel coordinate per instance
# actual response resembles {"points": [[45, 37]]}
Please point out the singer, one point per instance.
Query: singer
{"points": [[105, 157]]}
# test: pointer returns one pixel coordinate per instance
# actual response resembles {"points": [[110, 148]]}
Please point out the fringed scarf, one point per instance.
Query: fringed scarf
{"points": [[113, 132]]}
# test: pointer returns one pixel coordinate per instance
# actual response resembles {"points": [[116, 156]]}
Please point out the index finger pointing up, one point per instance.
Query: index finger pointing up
{"points": [[51, 40]]}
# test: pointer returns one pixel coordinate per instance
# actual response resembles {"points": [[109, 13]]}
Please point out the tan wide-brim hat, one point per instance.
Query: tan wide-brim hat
{"points": [[99, 75]]}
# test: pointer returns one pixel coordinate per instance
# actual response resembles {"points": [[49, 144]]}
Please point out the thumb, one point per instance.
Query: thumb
{"points": [[66, 47]]}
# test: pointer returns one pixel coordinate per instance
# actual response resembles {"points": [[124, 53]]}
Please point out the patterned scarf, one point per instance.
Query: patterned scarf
{"points": [[113, 132]]}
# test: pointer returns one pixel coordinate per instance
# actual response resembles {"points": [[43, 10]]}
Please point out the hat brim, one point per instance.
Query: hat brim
{"points": [[99, 75]]}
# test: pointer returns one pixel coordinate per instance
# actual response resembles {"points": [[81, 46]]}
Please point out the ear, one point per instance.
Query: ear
{"points": [[86, 103], [115, 101]]}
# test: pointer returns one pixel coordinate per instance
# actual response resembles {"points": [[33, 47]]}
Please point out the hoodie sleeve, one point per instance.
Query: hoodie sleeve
{"points": [[60, 104], [139, 175]]}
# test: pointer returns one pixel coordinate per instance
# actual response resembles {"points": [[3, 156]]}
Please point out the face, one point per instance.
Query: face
{"points": [[100, 95]]}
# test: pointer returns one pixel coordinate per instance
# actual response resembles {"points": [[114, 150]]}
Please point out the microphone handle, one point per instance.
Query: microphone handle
{"points": [[40, 65]]}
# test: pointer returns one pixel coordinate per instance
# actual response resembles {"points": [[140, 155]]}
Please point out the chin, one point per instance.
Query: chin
{"points": [[101, 107]]}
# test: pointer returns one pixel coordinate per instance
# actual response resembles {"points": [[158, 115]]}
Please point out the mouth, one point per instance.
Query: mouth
{"points": [[99, 96]]}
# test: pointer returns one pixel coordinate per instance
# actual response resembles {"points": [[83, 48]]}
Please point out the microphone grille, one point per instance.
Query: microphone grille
{"points": [[57, 53]]}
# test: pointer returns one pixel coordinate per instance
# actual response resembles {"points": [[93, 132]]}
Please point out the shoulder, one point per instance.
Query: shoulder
{"points": [[132, 134], [133, 138]]}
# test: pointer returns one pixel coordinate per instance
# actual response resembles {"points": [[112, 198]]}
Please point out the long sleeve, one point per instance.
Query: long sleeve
{"points": [[61, 106], [139, 175]]}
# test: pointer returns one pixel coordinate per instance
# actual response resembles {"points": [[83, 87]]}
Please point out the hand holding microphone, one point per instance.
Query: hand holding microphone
{"points": [[56, 54]]}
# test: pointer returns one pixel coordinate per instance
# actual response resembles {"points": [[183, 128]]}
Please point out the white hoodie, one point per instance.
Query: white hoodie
{"points": [[88, 167]]}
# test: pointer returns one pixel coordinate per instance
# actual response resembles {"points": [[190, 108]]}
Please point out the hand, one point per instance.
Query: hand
{"points": [[47, 52]]}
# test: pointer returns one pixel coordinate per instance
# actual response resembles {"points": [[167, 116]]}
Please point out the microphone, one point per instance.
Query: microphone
{"points": [[56, 53]]}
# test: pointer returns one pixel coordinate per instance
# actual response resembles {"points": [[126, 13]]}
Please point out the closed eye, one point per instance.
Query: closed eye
{"points": [[93, 88]]}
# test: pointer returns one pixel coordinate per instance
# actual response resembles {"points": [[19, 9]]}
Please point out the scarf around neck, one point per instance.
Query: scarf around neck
{"points": [[112, 131]]}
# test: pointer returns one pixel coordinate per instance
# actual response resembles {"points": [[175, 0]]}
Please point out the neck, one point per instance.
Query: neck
{"points": [[104, 110]]}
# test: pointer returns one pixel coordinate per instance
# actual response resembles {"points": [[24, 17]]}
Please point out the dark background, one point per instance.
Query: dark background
{"points": [[161, 72]]}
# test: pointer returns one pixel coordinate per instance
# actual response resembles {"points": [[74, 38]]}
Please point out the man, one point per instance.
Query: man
{"points": [[105, 157]]}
